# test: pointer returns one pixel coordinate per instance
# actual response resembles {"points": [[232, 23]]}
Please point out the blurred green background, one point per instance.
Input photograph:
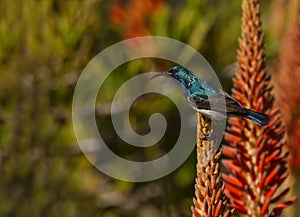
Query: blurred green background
{"points": [[44, 45]]}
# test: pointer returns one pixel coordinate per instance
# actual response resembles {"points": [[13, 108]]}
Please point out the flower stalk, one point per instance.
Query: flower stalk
{"points": [[257, 158], [209, 198]]}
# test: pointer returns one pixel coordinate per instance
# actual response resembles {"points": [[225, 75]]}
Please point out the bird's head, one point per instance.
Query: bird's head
{"points": [[177, 72], [182, 75]]}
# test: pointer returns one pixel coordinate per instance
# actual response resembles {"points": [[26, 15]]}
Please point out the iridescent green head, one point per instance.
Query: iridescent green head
{"points": [[184, 76], [179, 72]]}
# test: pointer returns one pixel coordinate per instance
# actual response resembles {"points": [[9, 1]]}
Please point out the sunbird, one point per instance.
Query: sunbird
{"points": [[200, 94]]}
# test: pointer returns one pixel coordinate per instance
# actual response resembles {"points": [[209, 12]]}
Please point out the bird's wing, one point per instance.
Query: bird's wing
{"points": [[198, 102], [219, 104]]}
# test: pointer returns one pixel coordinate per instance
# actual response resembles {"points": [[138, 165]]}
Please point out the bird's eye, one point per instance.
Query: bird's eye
{"points": [[172, 71]]}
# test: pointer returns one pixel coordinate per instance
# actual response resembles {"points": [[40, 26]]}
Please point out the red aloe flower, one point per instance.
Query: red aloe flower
{"points": [[131, 16], [257, 161], [287, 93], [209, 188]]}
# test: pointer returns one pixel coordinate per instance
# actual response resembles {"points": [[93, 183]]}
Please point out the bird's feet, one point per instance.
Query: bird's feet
{"points": [[212, 135], [206, 137]]}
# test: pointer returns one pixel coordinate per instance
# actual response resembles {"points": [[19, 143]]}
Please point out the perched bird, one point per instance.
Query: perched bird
{"points": [[201, 95]]}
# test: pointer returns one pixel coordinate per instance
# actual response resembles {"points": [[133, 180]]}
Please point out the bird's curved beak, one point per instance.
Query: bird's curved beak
{"points": [[165, 74]]}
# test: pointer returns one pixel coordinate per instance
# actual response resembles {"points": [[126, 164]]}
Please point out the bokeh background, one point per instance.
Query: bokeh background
{"points": [[44, 45]]}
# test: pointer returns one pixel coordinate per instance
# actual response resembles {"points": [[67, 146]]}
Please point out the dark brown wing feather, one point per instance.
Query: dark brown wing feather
{"points": [[217, 104]]}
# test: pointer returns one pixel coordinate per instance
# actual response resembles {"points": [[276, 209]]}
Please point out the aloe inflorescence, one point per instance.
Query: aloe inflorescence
{"points": [[256, 156], [210, 199]]}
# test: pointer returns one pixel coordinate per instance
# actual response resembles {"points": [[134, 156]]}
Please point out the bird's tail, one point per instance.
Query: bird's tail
{"points": [[257, 117]]}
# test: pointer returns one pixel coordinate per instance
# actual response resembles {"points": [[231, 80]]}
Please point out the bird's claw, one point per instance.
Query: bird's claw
{"points": [[211, 136], [206, 137]]}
